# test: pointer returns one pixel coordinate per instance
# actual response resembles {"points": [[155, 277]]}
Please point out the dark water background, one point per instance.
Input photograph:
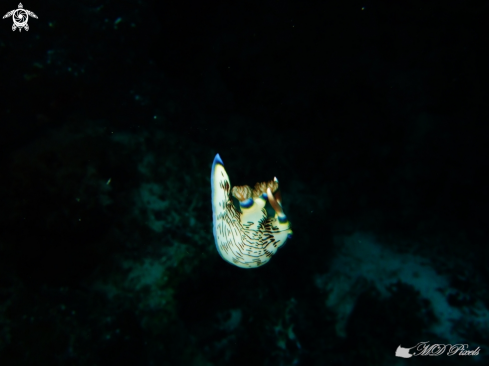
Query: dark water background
{"points": [[373, 116]]}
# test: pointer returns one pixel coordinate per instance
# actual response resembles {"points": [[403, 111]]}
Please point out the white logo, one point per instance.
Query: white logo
{"points": [[426, 349], [403, 352], [20, 17]]}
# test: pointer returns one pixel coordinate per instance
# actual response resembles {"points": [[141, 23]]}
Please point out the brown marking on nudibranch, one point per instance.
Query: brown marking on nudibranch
{"points": [[242, 193]]}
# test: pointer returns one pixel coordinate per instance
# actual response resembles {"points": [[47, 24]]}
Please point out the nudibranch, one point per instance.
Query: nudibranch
{"points": [[246, 237]]}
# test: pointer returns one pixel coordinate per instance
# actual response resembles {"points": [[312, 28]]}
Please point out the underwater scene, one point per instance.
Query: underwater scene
{"points": [[213, 183]]}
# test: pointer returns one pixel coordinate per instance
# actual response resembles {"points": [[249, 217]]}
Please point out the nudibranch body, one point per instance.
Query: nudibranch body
{"points": [[246, 237]]}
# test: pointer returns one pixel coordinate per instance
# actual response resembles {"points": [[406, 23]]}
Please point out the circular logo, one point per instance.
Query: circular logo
{"points": [[20, 17]]}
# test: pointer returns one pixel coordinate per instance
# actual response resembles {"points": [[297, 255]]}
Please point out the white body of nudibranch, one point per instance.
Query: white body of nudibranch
{"points": [[246, 237]]}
